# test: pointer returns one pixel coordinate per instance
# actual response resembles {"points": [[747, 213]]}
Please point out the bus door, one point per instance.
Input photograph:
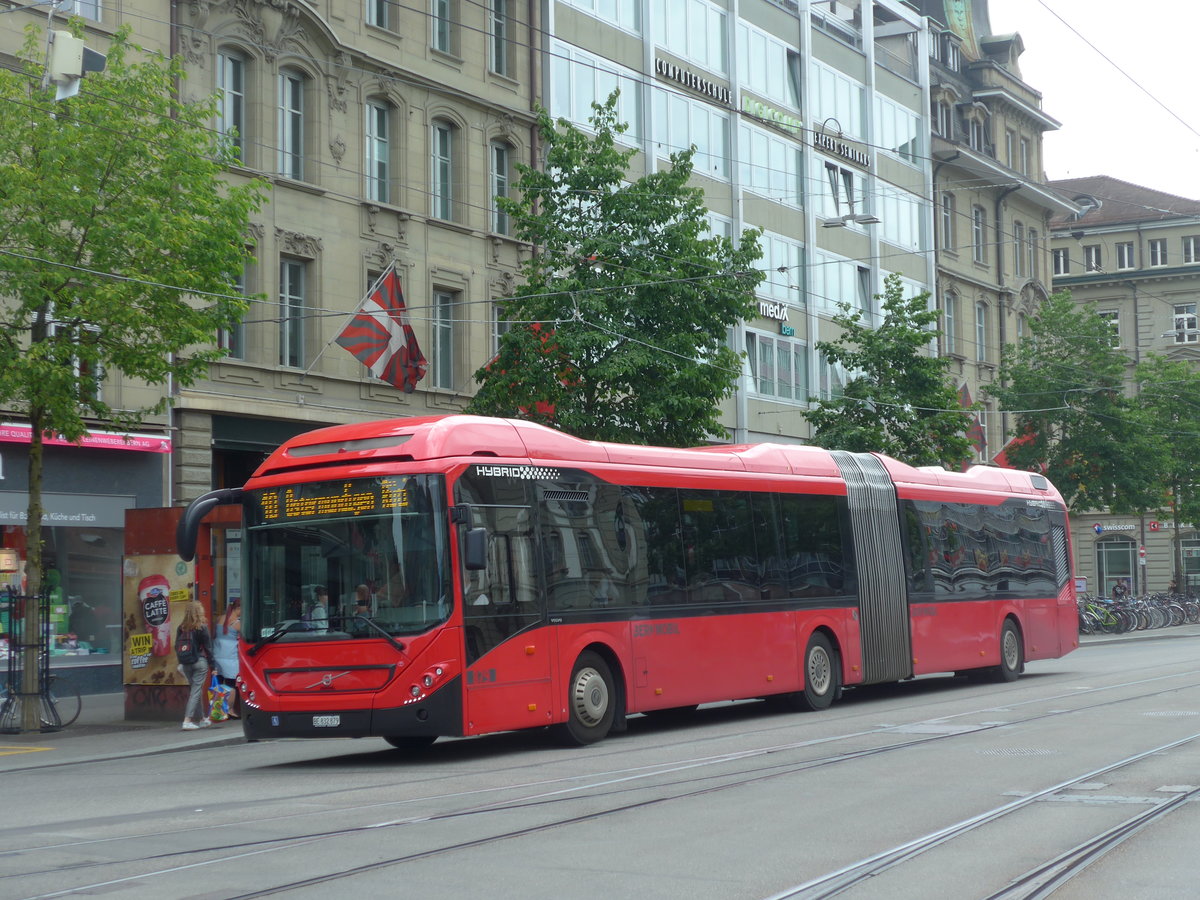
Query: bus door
{"points": [[508, 654]]}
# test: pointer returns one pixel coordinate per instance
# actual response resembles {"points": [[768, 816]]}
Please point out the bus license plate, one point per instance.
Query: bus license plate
{"points": [[326, 721]]}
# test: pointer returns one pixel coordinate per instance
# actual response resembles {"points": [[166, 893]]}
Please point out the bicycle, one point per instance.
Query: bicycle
{"points": [[61, 704]]}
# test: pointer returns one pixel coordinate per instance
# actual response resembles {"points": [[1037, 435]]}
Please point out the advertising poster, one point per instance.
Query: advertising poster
{"points": [[154, 591]]}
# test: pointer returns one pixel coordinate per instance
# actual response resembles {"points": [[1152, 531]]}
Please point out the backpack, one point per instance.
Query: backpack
{"points": [[185, 647]]}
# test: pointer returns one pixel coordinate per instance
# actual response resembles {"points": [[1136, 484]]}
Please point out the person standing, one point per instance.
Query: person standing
{"points": [[318, 616], [225, 651], [193, 647]]}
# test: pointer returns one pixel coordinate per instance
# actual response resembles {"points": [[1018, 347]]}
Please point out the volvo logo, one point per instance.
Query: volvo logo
{"points": [[326, 680]]}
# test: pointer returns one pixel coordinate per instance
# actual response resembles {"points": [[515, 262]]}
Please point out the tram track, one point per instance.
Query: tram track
{"points": [[1045, 877], [609, 784]]}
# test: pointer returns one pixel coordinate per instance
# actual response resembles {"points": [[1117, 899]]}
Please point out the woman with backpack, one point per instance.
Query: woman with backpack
{"points": [[193, 647]]}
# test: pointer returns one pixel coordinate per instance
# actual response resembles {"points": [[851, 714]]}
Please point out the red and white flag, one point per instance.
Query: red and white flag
{"points": [[382, 340]]}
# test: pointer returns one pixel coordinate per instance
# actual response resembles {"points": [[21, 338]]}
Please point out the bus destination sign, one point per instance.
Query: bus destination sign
{"points": [[350, 498]]}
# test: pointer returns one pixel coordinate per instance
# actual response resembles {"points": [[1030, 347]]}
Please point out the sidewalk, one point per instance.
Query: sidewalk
{"points": [[103, 733]]}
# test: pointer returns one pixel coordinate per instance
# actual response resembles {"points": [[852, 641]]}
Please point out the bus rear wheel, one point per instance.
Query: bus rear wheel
{"points": [[1012, 653], [590, 700]]}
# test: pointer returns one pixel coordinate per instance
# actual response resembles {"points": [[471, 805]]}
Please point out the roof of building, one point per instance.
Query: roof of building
{"points": [[1119, 202]]}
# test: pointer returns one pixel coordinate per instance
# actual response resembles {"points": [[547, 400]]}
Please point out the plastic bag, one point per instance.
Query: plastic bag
{"points": [[218, 699]]}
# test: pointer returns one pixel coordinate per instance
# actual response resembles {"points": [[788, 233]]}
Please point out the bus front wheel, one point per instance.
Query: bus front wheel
{"points": [[821, 674], [590, 700]]}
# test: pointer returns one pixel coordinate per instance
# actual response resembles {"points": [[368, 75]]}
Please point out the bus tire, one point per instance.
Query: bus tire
{"points": [[411, 743], [591, 701], [1012, 653], [821, 674]]}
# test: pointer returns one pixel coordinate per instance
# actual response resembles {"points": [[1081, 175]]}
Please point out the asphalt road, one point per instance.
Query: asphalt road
{"points": [[1084, 770]]}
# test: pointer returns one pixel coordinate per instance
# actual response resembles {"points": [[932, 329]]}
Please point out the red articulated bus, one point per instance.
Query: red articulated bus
{"points": [[485, 575]]}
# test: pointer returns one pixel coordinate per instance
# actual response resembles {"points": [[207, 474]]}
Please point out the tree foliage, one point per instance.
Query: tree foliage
{"points": [[121, 244], [898, 398], [1066, 388], [618, 331], [1169, 401]]}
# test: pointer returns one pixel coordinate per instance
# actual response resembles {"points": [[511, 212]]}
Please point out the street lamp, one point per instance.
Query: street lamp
{"points": [[843, 221]]}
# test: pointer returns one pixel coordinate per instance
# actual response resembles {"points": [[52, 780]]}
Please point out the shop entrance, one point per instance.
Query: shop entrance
{"points": [[1115, 561]]}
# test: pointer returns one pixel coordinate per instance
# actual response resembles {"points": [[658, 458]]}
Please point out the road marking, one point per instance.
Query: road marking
{"points": [[10, 750]]}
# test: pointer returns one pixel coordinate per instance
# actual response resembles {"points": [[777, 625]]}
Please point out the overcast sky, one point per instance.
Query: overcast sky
{"points": [[1113, 123]]}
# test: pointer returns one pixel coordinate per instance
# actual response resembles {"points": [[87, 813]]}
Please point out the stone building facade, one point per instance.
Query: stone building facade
{"points": [[1133, 255], [993, 206]]}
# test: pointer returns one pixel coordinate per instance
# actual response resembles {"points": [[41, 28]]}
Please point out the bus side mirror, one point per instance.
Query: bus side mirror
{"points": [[475, 549]]}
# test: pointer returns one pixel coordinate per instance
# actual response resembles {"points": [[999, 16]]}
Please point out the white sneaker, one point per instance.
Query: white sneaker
{"points": [[204, 723], [190, 726]]}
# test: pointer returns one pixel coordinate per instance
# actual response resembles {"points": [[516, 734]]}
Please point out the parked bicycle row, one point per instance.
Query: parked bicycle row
{"points": [[1100, 615]]}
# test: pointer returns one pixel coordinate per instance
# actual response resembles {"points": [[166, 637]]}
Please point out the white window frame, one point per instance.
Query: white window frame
{"points": [[500, 42], [1113, 318], [579, 79], [377, 140], [898, 131], [95, 378], [500, 160], [836, 96], [231, 107], [86, 9], [694, 30], [770, 165], [443, 137], [1187, 331], [233, 339], [950, 323], [379, 13], [981, 332], [1019, 249], [681, 122], [1093, 258], [292, 90], [778, 367], [1191, 249], [623, 14], [444, 362], [768, 66], [1157, 248], [1062, 261], [441, 24], [1125, 255], [779, 252], [293, 278], [979, 234], [949, 221]]}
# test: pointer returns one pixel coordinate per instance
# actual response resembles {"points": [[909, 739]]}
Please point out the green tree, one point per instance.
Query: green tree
{"points": [[1065, 386], [898, 398], [120, 245], [1167, 400], [618, 331]]}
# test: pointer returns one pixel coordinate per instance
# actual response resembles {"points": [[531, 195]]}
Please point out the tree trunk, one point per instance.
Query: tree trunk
{"points": [[31, 678]]}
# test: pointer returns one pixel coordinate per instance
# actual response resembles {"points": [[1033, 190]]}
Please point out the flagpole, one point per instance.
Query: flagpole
{"points": [[337, 331]]}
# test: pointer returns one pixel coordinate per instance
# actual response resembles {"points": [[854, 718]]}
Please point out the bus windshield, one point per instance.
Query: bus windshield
{"points": [[346, 559]]}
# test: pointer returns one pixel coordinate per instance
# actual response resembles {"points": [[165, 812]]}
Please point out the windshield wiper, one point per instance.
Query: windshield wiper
{"points": [[280, 630], [284, 627], [391, 640]]}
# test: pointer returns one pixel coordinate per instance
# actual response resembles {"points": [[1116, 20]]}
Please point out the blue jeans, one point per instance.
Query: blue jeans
{"points": [[197, 675]]}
